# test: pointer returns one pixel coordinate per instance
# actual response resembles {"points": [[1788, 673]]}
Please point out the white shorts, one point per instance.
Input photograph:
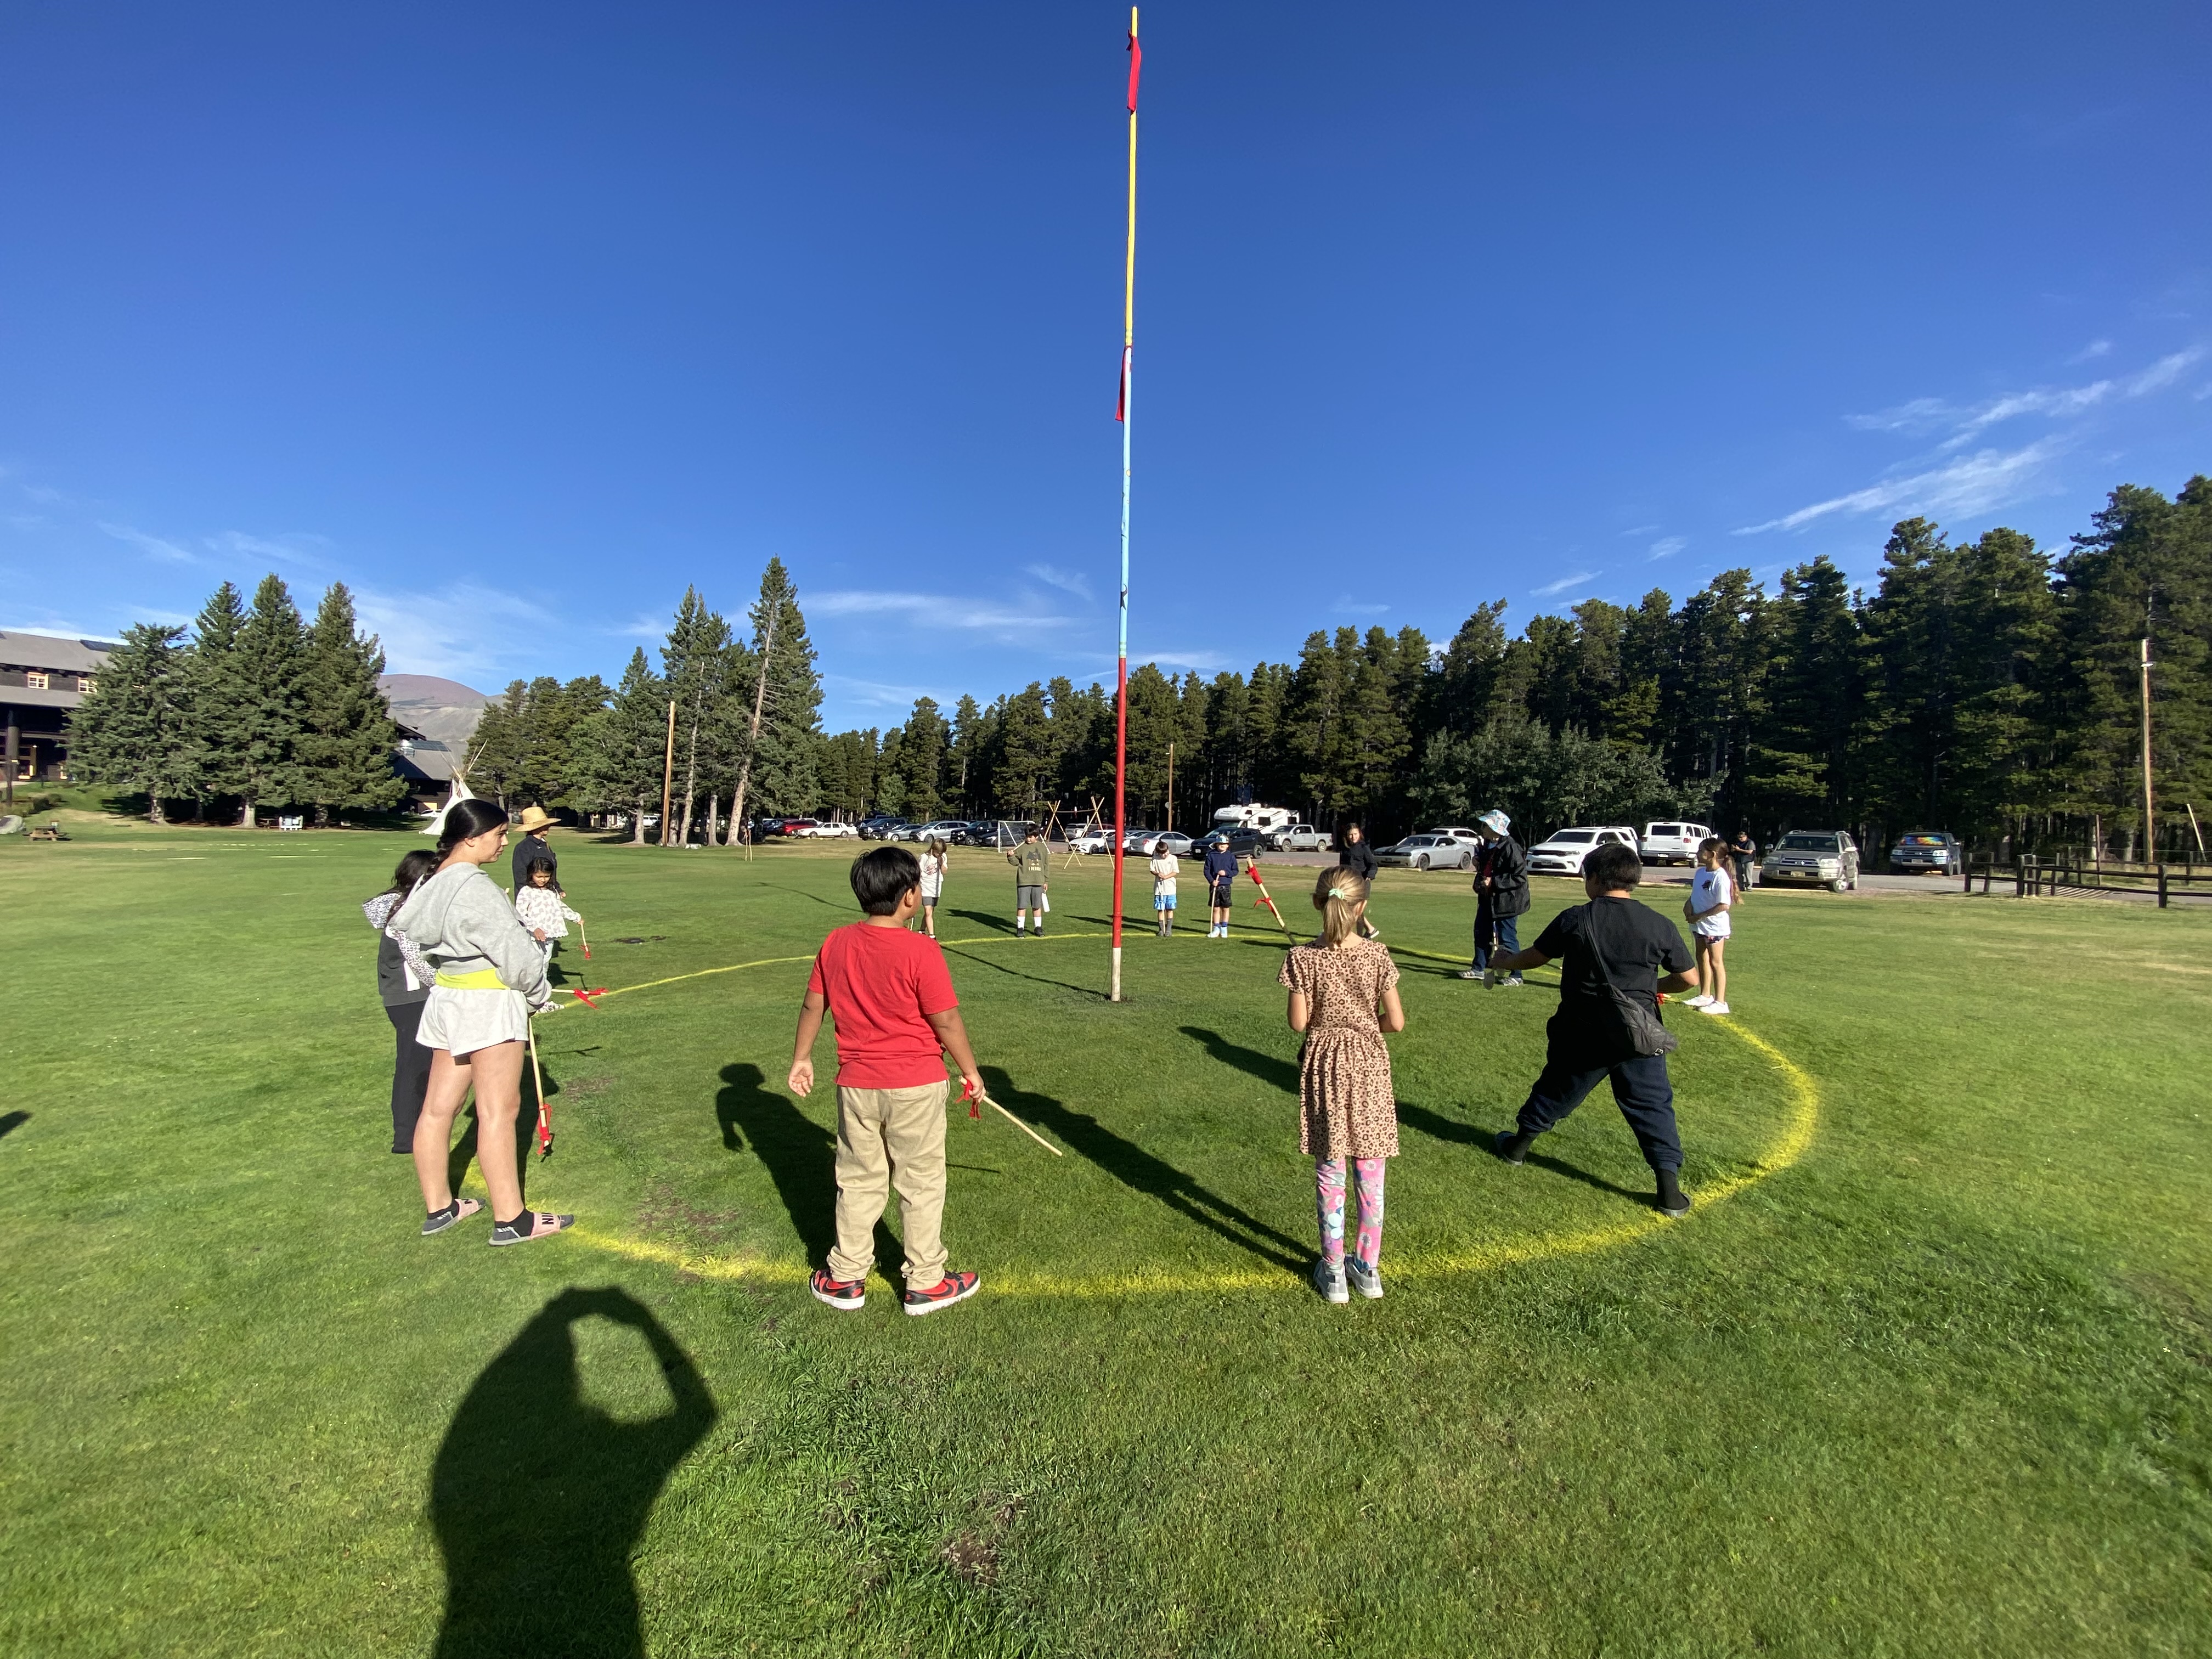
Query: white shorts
{"points": [[461, 1021], [1712, 927]]}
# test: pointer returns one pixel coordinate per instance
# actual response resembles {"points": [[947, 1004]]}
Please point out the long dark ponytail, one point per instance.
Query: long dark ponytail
{"points": [[465, 821], [415, 868]]}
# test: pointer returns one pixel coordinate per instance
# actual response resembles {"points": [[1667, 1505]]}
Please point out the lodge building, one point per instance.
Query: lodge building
{"points": [[42, 677]]}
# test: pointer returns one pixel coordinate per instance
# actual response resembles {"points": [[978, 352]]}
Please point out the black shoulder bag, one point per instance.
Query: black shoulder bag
{"points": [[1636, 1023]]}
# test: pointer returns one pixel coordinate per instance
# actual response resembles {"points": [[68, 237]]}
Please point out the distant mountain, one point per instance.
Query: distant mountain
{"points": [[444, 710]]}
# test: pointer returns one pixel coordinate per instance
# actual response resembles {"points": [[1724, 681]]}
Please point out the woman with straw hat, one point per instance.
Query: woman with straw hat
{"points": [[533, 846]]}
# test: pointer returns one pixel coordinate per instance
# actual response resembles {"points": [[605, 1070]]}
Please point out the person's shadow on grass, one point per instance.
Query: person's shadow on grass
{"points": [[13, 1122], [539, 1499], [801, 1157], [1268, 1068], [984, 919], [1141, 1171]]}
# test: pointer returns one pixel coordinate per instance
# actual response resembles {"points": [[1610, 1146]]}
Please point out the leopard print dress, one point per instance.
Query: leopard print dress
{"points": [[1349, 1108]]}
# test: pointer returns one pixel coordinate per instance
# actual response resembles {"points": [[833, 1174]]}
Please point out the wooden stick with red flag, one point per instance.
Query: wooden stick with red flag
{"points": [[1268, 899]]}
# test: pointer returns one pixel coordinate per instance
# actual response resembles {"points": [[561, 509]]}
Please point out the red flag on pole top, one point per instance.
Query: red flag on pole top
{"points": [[1136, 62]]}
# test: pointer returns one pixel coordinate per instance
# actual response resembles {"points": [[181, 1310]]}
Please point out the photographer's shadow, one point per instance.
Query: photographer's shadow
{"points": [[539, 1498]]}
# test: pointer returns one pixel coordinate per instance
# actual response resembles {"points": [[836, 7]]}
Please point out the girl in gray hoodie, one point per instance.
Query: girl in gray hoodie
{"points": [[490, 979]]}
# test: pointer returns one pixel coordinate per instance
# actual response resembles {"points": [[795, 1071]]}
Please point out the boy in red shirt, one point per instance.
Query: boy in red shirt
{"points": [[892, 998]]}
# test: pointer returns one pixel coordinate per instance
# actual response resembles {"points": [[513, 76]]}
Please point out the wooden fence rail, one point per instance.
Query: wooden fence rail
{"points": [[2032, 877]]}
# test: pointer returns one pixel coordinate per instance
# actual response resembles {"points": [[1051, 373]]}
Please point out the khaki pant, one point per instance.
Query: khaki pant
{"points": [[889, 1137]]}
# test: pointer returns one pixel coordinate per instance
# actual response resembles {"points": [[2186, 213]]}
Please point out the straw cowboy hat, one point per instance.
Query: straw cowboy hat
{"points": [[533, 819]]}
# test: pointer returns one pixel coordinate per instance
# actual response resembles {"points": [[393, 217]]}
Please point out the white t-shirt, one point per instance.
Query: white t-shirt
{"points": [[1709, 888], [932, 875], [1165, 867]]}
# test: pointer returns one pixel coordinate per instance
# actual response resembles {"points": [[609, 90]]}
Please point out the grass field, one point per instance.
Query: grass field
{"points": [[1926, 1372]]}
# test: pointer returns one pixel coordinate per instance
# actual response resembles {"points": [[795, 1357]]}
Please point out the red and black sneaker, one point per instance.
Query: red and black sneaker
{"points": [[845, 1293], [953, 1287]]}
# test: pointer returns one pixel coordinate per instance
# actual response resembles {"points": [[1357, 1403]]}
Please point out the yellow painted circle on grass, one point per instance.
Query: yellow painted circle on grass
{"points": [[1803, 1122]]}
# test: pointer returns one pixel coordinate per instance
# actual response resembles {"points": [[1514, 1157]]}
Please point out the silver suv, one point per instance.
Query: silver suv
{"points": [[1825, 858]]}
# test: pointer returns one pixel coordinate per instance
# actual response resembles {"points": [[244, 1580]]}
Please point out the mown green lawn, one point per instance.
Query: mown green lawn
{"points": [[1930, 1379]]}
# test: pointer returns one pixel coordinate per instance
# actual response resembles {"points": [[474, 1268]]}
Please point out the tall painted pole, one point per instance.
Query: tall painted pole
{"points": [[1121, 657]]}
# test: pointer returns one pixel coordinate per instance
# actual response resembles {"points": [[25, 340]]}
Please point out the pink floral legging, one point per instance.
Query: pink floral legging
{"points": [[1329, 1197]]}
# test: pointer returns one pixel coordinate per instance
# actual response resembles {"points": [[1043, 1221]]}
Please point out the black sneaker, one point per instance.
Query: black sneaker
{"points": [[1673, 1202], [530, 1224], [953, 1287], [1512, 1146]]}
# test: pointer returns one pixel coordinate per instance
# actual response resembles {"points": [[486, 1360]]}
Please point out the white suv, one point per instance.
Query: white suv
{"points": [[1673, 844], [1298, 838], [1563, 853]]}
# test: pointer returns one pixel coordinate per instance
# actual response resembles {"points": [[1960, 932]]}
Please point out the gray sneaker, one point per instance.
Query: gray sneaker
{"points": [[1367, 1280], [1330, 1284]]}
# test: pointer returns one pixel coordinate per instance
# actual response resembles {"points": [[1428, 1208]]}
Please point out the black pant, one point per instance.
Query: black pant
{"points": [[1640, 1089], [410, 1072]]}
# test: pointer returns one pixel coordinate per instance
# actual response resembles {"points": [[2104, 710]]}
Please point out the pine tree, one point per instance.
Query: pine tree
{"points": [[962, 776], [346, 729], [779, 768], [1804, 766], [921, 760], [619, 751], [216, 711], [268, 663], [694, 663], [132, 729]]}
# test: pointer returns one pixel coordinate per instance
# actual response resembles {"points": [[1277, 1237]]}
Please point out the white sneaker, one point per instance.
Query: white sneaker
{"points": [[1699, 1000], [1714, 1008]]}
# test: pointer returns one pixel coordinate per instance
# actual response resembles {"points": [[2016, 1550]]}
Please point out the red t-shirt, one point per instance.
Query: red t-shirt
{"points": [[881, 983]]}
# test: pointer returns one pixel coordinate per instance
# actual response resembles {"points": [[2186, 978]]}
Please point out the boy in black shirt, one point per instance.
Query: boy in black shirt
{"points": [[1612, 937]]}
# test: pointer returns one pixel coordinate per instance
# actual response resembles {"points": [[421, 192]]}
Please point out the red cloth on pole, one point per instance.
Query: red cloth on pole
{"points": [[1121, 403], [1136, 62]]}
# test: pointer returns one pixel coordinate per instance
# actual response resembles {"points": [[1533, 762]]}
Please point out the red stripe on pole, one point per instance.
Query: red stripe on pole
{"points": [[1120, 775], [1121, 402], [1136, 62]]}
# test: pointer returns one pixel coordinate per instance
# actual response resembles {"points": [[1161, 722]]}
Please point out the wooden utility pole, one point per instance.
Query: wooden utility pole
{"points": [[2150, 820], [1169, 824], [668, 771]]}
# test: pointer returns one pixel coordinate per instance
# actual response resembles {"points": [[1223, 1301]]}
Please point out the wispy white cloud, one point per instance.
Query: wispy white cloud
{"points": [[1639, 530], [1068, 581], [166, 618], [2095, 348], [1346, 605], [1564, 584], [1975, 483], [1964, 422], [640, 627], [1667, 546], [1204, 662], [152, 546], [462, 631], [932, 610], [52, 626], [875, 694], [301, 548]]}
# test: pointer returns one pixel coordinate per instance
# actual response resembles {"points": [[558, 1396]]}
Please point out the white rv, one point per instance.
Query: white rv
{"points": [[1265, 819]]}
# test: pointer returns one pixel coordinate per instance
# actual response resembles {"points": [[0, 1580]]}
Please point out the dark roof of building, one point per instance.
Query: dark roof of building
{"points": [[52, 653]]}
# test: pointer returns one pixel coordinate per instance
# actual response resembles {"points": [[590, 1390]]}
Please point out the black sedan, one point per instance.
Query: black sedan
{"points": [[1245, 843]]}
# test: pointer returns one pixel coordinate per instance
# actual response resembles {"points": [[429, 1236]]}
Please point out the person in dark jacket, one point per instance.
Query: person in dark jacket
{"points": [[1501, 894], [533, 846], [403, 980], [1357, 856]]}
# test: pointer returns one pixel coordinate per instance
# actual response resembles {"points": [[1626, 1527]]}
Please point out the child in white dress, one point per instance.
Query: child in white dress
{"points": [[542, 909], [933, 860], [1712, 896]]}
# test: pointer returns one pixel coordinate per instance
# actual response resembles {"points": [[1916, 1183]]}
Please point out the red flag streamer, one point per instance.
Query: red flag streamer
{"points": [[1268, 899], [1136, 62]]}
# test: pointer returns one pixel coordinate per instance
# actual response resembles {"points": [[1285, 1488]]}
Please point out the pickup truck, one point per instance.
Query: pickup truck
{"points": [[1298, 838]]}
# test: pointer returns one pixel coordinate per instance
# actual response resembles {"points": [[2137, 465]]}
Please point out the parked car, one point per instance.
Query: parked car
{"points": [[1673, 842], [785, 826], [952, 831], [1426, 852], [878, 826], [1927, 853], [822, 829], [1299, 838], [1146, 842], [1459, 832], [1825, 858], [1562, 852], [997, 832], [1243, 841], [1093, 839]]}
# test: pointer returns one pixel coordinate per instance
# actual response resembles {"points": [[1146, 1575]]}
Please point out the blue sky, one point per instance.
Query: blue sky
{"points": [[518, 318]]}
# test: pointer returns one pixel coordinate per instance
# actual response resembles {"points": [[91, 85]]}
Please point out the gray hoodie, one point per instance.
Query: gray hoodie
{"points": [[462, 921]]}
